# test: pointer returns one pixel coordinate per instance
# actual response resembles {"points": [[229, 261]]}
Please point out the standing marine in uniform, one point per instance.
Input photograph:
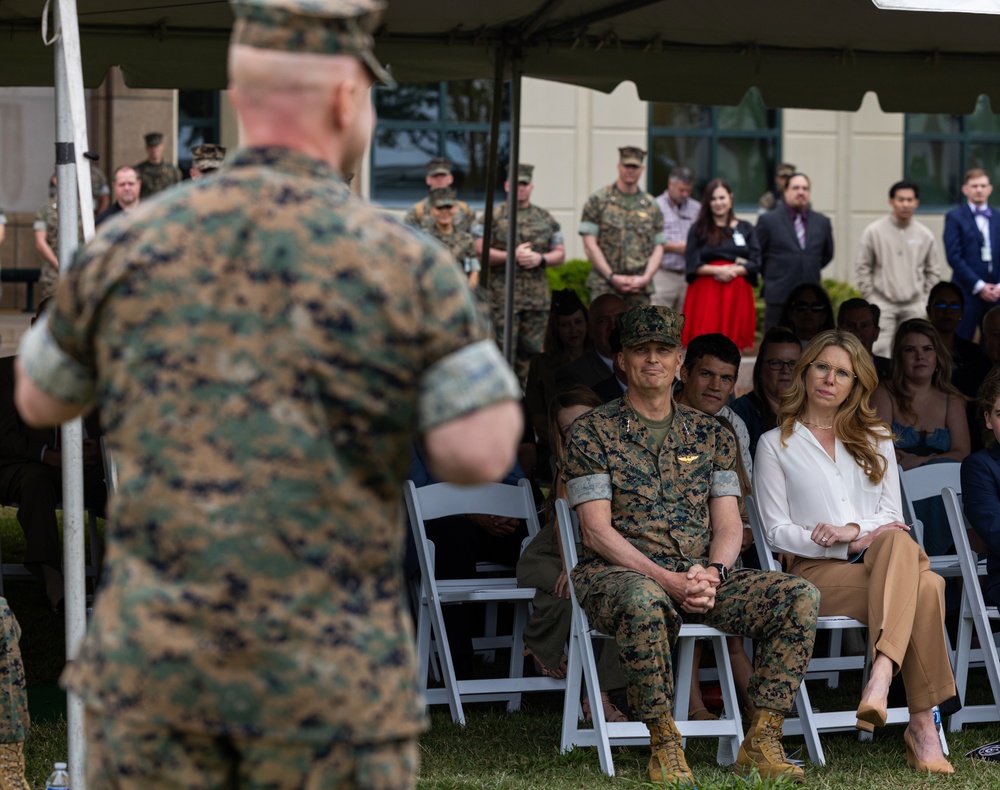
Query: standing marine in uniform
{"points": [[206, 159], [156, 174], [439, 175], [622, 229], [443, 206], [654, 485], [266, 346], [540, 244], [46, 228]]}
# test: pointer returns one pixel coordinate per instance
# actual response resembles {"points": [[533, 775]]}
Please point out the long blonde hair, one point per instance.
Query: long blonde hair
{"points": [[856, 423], [899, 387]]}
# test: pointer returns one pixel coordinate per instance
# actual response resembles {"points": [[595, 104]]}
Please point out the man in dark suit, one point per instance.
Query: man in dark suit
{"points": [[594, 366], [971, 244], [795, 243]]}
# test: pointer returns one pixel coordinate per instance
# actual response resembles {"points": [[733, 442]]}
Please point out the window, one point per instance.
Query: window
{"points": [[940, 148], [420, 121], [740, 144], [197, 123]]}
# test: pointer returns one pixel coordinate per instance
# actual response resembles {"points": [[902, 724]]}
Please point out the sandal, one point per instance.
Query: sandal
{"points": [[701, 714], [612, 714], [558, 674]]}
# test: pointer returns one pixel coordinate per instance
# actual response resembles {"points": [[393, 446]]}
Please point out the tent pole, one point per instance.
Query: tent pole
{"points": [[491, 164], [74, 196], [515, 154]]}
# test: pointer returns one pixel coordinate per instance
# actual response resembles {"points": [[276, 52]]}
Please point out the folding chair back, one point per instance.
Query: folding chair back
{"points": [[444, 499], [925, 482], [976, 617], [582, 668]]}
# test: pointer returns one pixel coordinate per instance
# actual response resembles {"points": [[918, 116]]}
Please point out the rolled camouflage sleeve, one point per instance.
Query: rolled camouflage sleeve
{"points": [[725, 481], [54, 371], [585, 470], [590, 222], [471, 378]]}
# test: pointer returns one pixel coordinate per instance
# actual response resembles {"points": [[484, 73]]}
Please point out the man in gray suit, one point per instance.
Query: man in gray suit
{"points": [[795, 243]]}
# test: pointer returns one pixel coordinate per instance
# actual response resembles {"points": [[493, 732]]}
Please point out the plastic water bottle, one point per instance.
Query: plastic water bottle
{"points": [[58, 779]]}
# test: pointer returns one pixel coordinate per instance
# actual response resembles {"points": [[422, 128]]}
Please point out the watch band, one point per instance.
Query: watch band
{"points": [[608, 278], [722, 569]]}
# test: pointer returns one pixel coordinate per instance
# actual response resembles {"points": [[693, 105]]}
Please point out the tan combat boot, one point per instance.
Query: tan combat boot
{"points": [[667, 765], [12, 766], [762, 749]]}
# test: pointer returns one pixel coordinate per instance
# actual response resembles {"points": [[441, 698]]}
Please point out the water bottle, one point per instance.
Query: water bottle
{"points": [[940, 730], [58, 779]]}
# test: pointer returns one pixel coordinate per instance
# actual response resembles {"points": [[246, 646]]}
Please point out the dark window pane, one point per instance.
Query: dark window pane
{"points": [[749, 115], [671, 115], [197, 104], [925, 123], [469, 152], [745, 165], [471, 101], [399, 164], [666, 153], [986, 156], [983, 120], [937, 167], [416, 102]]}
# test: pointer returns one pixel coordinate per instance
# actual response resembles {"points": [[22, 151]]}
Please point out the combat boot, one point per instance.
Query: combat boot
{"points": [[12, 766], [667, 765], [762, 749]]}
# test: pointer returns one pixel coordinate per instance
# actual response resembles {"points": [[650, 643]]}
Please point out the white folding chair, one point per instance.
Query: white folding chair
{"points": [[809, 722], [440, 500], [924, 482], [976, 617], [582, 668]]}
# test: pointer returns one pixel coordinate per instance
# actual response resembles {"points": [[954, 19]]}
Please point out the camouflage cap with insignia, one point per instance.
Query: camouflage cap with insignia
{"points": [[786, 169], [650, 324], [153, 138], [630, 155], [320, 27], [207, 156], [439, 166], [442, 197], [524, 172]]}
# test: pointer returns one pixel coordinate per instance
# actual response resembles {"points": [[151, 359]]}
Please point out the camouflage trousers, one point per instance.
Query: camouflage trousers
{"points": [[14, 721], [124, 755], [528, 332], [48, 279], [775, 609]]}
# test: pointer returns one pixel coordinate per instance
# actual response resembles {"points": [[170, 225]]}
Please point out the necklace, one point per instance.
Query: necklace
{"points": [[816, 425]]}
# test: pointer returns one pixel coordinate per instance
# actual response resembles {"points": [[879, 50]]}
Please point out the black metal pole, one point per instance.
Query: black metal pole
{"points": [[515, 153], [491, 163]]}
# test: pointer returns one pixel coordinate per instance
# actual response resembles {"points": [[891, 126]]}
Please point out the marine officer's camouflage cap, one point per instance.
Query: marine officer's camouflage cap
{"points": [[439, 166], [153, 138], [650, 324], [320, 27], [207, 156], [524, 173], [630, 155], [442, 197], [786, 169]]}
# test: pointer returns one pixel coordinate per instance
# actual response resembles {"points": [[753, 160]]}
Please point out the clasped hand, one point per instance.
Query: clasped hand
{"points": [[824, 535], [695, 589]]}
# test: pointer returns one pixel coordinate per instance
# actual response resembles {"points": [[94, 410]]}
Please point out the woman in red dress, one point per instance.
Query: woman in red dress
{"points": [[723, 259]]}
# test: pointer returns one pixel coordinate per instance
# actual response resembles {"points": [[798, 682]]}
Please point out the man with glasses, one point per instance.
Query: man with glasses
{"points": [[795, 243], [622, 230], [897, 263]]}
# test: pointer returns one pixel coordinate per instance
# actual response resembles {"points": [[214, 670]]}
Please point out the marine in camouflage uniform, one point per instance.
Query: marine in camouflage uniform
{"points": [[439, 175], [47, 220], [14, 720], [667, 488], [622, 229], [459, 242], [155, 174], [540, 244], [265, 346]]}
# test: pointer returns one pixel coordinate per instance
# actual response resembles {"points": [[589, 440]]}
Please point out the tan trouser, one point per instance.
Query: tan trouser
{"points": [[894, 591], [671, 287], [891, 316]]}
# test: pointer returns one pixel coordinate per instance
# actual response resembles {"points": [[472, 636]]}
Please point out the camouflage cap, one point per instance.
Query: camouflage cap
{"points": [[524, 173], [439, 166], [207, 156], [320, 27], [153, 138], [650, 324], [630, 155], [442, 197], [786, 169]]}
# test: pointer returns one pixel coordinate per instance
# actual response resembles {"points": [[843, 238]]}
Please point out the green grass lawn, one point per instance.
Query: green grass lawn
{"points": [[516, 751]]}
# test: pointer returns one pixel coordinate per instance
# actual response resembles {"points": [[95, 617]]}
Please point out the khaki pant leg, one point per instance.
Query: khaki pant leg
{"points": [[670, 289], [891, 316]]}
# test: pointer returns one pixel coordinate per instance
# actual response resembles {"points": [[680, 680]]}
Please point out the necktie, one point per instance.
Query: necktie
{"points": [[800, 229], [985, 211]]}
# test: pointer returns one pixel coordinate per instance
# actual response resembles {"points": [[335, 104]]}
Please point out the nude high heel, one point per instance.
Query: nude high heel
{"points": [[941, 766]]}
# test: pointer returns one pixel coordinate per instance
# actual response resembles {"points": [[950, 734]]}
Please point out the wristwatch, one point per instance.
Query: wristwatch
{"points": [[542, 261], [722, 569], [608, 278]]}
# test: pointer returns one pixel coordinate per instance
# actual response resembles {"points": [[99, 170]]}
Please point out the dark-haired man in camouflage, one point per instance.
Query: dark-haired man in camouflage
{"points": [[540, 244], [265, 347], [622, 230], [654, 486], [155, 173]]}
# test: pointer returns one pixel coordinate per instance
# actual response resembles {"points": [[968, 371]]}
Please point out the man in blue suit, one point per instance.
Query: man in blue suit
{"points": [[972, 245]]}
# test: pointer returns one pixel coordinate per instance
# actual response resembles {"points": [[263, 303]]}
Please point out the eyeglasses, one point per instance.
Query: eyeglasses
{"points": [[946, 306], [631, 167], [822, 369], [780, 364], [816, 307]]}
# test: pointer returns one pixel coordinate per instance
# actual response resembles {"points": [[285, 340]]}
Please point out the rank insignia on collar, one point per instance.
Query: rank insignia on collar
{"points": [[688, 459]]}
